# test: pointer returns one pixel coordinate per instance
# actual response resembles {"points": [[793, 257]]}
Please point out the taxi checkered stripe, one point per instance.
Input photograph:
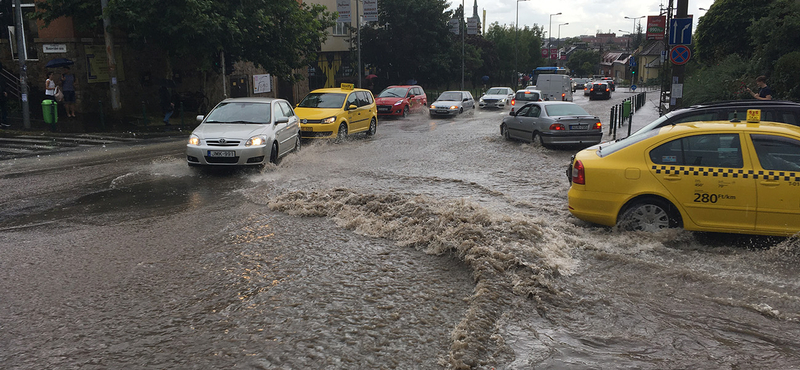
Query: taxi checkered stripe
{"points": [[727, 172]]}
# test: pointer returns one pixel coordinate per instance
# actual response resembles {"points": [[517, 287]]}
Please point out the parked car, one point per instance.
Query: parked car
{"points": [[599, 90], [771, 110], [552, 122], [244, 132], [496, 97], [718, 176], [451, 103], [522, 97], [399, 101], [334, 113]]}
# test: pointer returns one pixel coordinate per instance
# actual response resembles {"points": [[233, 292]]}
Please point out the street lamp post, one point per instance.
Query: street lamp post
{"points": [[634, 27], [558, 44], [550, 30], [630, 37], [516, 49]]}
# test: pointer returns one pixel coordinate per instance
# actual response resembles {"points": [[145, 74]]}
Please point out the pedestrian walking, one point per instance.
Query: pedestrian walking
{"points": [[167, 105]]}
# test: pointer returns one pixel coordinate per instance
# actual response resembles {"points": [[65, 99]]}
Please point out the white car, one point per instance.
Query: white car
{"points": [[244, 132], [496, 97]]}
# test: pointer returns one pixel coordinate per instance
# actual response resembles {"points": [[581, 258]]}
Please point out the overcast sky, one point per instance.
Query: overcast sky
{"points": [[585, 17]]}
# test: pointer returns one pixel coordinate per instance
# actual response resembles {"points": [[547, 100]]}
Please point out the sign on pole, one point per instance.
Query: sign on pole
{"points": [[656, 26], [370, 10], [545, 53], [472, 26], [680, 31], [680, 54], [343, 8], [553, 53], [454, 26]]}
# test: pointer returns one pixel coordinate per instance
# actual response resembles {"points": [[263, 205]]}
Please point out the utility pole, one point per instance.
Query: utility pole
{"points": [[463, 41], [23, 69], [112, 61], [678, 69], [358, 36]]}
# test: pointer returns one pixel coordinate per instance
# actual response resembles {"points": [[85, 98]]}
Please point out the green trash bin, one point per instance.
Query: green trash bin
{"points": [[626, 108], [49, 111]]}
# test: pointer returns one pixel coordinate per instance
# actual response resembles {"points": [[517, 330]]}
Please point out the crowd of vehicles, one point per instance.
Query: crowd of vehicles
{"points": [[731, 167]]}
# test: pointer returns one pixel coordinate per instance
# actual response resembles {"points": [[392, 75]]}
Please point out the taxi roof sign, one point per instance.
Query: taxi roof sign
{"points": [[753, 115], [348, 86]]}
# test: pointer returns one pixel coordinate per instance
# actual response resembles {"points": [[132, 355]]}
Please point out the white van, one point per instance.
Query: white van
{"points": [[555, 87]]}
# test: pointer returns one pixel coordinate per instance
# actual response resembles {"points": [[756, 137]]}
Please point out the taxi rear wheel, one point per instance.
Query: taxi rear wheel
{"points": [[648, 214]]}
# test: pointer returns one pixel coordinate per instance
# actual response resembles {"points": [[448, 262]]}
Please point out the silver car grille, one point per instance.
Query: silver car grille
{"points": [[222, 142]]}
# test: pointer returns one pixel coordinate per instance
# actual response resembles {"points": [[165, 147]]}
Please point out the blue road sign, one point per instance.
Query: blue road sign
{"points": [[633, 87], [680, 54], [680, 31], [633, 62]]}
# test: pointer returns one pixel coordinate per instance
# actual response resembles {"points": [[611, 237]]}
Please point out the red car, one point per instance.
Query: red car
{"points": [[401, 100]]}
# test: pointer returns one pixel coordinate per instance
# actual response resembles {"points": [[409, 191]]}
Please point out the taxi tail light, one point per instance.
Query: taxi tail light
{"points": [[557, 127], [598, 125], [578, 173]]}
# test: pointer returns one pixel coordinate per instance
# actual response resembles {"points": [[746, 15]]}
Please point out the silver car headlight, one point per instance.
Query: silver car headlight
{"points": [[481, 100], [194, 140], [453, 107], [256, 140]]}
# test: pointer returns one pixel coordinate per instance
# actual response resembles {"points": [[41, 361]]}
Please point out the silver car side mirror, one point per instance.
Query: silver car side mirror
{"points": [[199, 118]]}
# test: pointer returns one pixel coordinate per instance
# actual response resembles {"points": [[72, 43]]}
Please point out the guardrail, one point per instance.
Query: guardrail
{"points": [[625, 111]]}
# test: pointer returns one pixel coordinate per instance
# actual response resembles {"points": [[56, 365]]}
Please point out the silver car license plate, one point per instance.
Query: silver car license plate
{"points": [[578, 127], [221, 153]]}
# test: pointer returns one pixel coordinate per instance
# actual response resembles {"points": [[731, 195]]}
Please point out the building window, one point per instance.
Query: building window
{"points": [[341, 29]]}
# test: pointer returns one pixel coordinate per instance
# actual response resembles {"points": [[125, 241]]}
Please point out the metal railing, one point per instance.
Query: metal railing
{"points": [[624, 112]]}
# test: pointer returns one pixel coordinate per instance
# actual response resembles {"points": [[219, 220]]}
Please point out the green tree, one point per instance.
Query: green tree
{"points": [[411, 41], [724, 29], [775, 34], [517, 50], [583, 62], [278, 35]]}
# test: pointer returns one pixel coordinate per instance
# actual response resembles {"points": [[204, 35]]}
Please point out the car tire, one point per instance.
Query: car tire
{"points": [[405, 111], [460, 110], [504, 132], [648, 214], [298, 143], [341, 135], [373, 127], [536, 139], [273, 154]]}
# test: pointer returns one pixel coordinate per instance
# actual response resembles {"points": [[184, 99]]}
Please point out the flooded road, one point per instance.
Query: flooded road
{"points": [[433, 244]]}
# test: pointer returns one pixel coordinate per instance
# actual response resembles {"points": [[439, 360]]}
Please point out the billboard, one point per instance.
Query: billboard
{"points": [[343, 8], [370, 10], [656, 26]]}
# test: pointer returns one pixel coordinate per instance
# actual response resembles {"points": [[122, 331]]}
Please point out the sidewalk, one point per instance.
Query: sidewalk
{"points": [[641, 117]]}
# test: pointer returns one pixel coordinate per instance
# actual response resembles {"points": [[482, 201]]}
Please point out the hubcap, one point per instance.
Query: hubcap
{"points": [[648, 217]]}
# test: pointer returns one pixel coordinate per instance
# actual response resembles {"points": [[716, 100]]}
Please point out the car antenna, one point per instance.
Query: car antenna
{"points": [[735, 117]]}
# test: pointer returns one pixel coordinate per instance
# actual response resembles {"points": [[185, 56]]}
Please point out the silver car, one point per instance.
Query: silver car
{"points": [[452, 103], [552, 123], [496, 97], [244, 131]]}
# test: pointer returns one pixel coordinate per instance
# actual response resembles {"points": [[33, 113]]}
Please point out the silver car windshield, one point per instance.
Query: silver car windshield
{"points": [[240, 112], [450, 96], [323, 100], [497, 92], [557, 110]]}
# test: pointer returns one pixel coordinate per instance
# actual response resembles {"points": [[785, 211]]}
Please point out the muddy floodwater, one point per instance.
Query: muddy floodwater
{"points": [[435, 244]]}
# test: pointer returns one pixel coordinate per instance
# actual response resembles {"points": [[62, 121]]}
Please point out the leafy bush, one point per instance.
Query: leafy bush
{"points": [[725, 80], [786, 77]]}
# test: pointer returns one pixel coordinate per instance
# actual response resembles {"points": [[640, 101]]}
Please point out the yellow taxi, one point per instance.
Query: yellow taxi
{"points": [[334, 113], [731, 177]]}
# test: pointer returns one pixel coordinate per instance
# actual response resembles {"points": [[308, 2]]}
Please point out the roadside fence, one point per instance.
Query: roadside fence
{"points": [[624, 111]]}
